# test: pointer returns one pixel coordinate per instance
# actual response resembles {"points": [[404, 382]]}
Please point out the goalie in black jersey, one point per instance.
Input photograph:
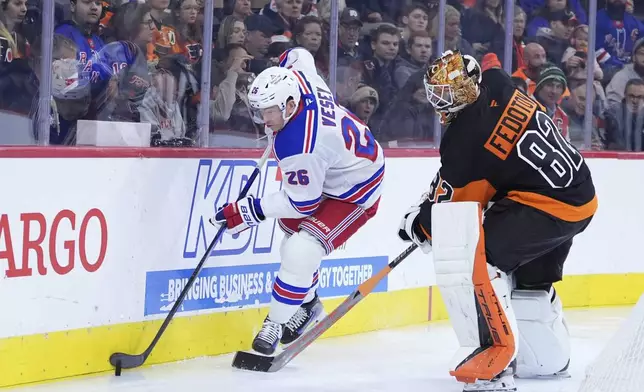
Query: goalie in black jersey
{"points": [[496, 276]]}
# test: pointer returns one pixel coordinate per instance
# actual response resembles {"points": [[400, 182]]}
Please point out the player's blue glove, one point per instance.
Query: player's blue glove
{"points": [[240, 215], [409, 230]]}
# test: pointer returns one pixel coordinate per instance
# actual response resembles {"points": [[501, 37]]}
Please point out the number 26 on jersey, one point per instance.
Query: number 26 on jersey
{"points": [[299, 177]]}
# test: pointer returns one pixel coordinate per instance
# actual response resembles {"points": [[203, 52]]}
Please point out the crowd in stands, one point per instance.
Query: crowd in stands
{"points": [[141, 61]]}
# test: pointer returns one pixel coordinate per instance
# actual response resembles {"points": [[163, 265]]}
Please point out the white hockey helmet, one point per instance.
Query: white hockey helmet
{"points": [[452, 82], [274, 86]]}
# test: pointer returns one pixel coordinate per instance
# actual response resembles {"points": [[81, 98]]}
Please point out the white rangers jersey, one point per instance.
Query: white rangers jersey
{"points": [[324, 151]]}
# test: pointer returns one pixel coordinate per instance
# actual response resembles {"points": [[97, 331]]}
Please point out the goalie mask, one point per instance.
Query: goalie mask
{"points": [[452, 83]]}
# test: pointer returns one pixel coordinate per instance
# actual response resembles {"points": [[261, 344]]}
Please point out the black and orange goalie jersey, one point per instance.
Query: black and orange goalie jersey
{"points": [[505, 146]]}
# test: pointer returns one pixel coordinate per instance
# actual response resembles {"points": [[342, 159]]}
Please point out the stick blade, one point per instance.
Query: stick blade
{"points": [[254, 362], [126, 361]]}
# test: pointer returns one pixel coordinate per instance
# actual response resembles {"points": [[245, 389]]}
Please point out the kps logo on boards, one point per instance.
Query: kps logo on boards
{"points": [[218, 182]]}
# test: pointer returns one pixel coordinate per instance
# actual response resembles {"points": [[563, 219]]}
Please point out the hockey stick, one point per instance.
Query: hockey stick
{"points": [[129, 361], [260, 363]]}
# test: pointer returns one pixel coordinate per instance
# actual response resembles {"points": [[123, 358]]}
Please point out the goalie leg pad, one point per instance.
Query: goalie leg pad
{"points": [[466, 279], [301, 257], [544, 343]]}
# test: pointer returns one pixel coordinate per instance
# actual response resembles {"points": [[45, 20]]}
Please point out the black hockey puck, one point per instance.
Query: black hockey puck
{"points": [[117, 369]]}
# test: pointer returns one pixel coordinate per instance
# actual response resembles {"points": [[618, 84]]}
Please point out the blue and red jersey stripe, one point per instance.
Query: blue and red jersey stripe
{"points": [[306, 207], [361, 192]]}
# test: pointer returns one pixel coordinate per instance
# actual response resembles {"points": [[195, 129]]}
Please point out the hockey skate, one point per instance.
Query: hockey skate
{"points": [[306, 316], [504, 382], [268, 337]]}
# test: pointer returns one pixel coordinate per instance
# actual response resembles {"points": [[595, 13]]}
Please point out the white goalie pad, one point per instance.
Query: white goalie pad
{"points": [[456, 228], [455, 233], [544, 343]]}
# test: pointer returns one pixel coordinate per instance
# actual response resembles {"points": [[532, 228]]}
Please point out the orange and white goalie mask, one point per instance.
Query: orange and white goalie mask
{"points": [[452, 82]]}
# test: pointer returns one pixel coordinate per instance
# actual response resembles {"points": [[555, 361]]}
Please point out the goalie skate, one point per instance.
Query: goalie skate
{"points": [[504, 382], [306, 316]]}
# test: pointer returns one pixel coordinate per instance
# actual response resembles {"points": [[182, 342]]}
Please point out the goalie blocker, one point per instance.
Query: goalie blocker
{"points": [[496, 281]]}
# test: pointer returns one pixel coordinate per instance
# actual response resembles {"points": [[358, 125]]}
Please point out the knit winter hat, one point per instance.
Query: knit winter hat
{"points": [[364, 92], [551, 73]]}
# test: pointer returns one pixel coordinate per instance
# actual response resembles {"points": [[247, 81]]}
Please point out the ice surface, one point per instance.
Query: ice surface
{"points": [[411, 359]]}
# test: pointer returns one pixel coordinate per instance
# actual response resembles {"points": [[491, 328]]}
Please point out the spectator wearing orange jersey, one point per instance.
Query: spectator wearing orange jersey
{"points": [[105, 25], [534, 57], [185, 15], [165, 38]]}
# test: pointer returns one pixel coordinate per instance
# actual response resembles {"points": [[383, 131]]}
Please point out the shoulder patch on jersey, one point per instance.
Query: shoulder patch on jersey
{"points": [[299, 135]]}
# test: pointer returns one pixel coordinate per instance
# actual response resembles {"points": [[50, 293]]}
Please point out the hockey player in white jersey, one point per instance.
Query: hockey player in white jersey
{"points": [[332, 170]]}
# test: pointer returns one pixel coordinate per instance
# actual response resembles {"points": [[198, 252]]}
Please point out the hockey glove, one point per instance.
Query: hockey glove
{"points": [[240, 215], [409, 230]]}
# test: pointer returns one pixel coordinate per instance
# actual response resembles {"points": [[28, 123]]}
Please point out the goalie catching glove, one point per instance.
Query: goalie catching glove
{"points": [[240, 215], [410, 230]]}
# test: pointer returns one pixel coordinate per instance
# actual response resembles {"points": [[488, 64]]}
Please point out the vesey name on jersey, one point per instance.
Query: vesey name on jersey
{"points": [[327, 107], [218, 182]]}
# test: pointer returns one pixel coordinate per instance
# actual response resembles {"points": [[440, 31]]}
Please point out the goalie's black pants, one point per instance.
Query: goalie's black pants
{"points": [[529, 243]]}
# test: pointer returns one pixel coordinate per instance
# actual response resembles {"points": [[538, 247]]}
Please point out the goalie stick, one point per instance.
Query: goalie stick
{"points": [[129, 361], [260, 363]]}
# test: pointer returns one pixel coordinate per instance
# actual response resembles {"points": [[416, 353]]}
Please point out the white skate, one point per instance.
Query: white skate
{"points": [[504, 382]]}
